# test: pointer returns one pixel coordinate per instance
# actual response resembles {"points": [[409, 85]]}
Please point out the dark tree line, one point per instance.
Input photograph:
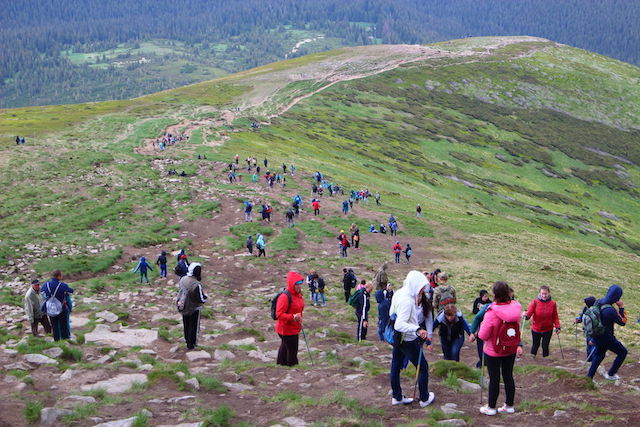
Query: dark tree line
{"points": [[34, 33]]}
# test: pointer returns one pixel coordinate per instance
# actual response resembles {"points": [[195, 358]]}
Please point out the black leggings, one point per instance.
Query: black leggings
{"points": [[191, 326], [288, 352], [494, 366], [546, 339]]}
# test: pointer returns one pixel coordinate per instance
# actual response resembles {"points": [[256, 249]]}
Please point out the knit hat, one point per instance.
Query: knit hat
{"points": [[589, 301]]}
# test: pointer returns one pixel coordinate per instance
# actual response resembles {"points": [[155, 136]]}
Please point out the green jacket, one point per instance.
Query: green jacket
{"points": [[32, 302]]}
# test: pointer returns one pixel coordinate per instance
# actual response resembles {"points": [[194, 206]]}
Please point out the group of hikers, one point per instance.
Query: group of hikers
{"points": [[167, 140], [20, 140]]}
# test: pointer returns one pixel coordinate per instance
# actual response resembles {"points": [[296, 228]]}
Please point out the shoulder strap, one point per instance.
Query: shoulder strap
{"points": [[54, 292], [286, 292]]}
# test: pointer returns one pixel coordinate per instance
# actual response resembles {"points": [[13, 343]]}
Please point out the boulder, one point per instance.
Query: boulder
{"points": [[244, 341], [295, 422], [118, 384], [39, 359], [559, 413], [193, 384], [223, 354], [238, 387], [126, 422], [73, 400], [107, 316], [53, 352], [193, 356], [103, 335], [466, 385], [453, 422], [50, 416], [450, 409]]}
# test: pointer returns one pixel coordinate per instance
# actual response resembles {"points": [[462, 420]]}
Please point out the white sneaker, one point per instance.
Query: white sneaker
{"points": [[488, 411], [404, 401], [613, 377], [429, 401], [506, 409]]}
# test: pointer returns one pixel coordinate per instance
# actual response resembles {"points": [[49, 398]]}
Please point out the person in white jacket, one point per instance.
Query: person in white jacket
{"points": [[405, 306]]}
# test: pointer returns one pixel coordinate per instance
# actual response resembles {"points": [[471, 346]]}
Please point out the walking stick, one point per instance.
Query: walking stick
{"points": [[482, 375], [417, 371], [522, 329], [560, 344], [308, 349], [584, 362]]}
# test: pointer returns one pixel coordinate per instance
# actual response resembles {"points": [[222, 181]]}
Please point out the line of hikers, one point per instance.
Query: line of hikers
{"points": [[168, 140]]}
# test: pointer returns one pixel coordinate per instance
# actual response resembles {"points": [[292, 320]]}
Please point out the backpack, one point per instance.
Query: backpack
{"points": [[178, 270], [353, 299], [508, 338], [274, 303], [52, 306], [390, 334], [409, 252], [592, 321], [446, 297]]}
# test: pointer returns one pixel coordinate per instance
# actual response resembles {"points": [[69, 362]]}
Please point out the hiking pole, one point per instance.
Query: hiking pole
{"points": [[417, 370], [308, 349], [560, 344], [584, 362], [576, 334], [522, 329], [482, 374]]}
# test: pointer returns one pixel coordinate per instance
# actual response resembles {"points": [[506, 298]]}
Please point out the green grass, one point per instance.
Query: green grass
{"points": [[287, 240], [219, 417], [202, 210], [32, 411], [452, 370], [210, 383], [78, 264]]}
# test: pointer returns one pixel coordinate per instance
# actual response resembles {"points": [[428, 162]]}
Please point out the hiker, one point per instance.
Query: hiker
{"points": [[254, 178], [588, 303], [316, 207], [33, 301], [17, 140], [403, 306], [609, 316], [372, 229], [349, 281], [433, 280], [362, 306], [183, 173], [407, 253], [343, 244], [289, 308], [377, 198], [500, 331], [248, 207], [261, 245], [189, 302], [22, 141], [284, 182], [381, 279], [266, 162], [236, 158], [263, 212], [393, 226], [57, 289], [397, 250], [284, 168], [383, 298], [249, 244], [355, 235], [316, 288], [418, 211], [443, 294], [452, 325], [479, 302], [182, 268], [269, 211], [544, 314], [383, 229], [289, 216], [179, 257], [142, 266], [345, 207], [292, 169], [161, 262]]}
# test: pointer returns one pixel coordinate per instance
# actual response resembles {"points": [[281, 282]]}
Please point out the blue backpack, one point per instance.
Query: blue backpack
{"points": [[390, 334]]}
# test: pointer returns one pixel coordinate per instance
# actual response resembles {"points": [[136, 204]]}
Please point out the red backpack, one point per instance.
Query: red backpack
{"points": [[507, 338]]}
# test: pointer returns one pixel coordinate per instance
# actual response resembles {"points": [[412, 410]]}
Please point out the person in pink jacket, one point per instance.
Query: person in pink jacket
{"points": [[500, 331], [544, 314]]}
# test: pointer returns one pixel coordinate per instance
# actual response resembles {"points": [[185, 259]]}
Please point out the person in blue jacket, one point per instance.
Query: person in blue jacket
{"points": [[588, 302], [162, 263], [383, 298], [55, 288], [452, 325], [607, 341], [142, 267]]}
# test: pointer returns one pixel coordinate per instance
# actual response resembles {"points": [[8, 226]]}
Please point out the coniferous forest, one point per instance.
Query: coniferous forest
{"points": [[69, 51]]}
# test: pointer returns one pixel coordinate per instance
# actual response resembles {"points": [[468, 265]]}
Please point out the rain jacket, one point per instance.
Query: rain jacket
{"points": [[403, 304], [143, 265], [496, 313], [610, 315], [285, 325], [544, 315]]}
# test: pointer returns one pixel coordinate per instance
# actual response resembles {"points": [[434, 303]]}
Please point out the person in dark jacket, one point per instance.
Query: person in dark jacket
{"points": [[480, 301], [289, 310], [383, 298], [607, 341], [179, 257], [452, 325], [250, 244], [55, 288], [192, 287], [142, 267], [588, 302], [362, 311], [183, 267], [162, 263], [349, 282]]}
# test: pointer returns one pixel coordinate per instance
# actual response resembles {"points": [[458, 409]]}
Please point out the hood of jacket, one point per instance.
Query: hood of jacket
{"points": [[292, 278], [143, 260], [510, 312], [260, 239], [192, 267], [613, 295], [413, 283]]}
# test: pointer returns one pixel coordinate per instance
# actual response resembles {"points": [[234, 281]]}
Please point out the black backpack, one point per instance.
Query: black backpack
{"points": [[274, 303]]}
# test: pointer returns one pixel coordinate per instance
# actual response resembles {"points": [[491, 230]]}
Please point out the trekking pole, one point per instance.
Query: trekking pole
{"points": [[308, 349], [522, 329], [482, 375], [417, 371], [584, 362], [560, 344], [576, 335]]}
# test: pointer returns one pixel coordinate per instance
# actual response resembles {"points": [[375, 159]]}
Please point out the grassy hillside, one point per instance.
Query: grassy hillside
{"points": [[523, 152]]}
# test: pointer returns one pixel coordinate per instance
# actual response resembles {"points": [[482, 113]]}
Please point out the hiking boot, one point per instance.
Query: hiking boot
{"points": [[429, 401], [613, 377], [404, 401], [488, 411], [506, 409]]}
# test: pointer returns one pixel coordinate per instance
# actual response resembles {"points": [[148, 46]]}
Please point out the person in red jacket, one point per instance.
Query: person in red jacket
{"points": [[289, 319], [544, 314], [397, 250], [316, 207]]}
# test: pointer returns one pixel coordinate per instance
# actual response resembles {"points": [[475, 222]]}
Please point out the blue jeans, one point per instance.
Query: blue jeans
{"points": [[602, 345], [451, 349], [411, 351], [397, 258], [315, 297], [163, 270]]}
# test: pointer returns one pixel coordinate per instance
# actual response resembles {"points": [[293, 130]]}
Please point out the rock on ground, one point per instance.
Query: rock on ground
{"points": [[466, 385], [223, 354], [102, 334], [192, 356], [126, 422], [49, 416], [40, 359], [107, 316], [118, 384], [295, 422]]}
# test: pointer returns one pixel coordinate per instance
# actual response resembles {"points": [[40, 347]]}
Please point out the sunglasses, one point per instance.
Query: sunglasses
{"points": [[299, 282]]}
